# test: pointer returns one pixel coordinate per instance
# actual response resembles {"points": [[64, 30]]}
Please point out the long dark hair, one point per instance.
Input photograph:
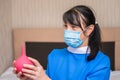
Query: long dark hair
{"points": [[84, 13]]}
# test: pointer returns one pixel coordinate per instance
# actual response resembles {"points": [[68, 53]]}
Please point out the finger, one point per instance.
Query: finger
{"points": [[19, 75], [30, 76], [31, 67], [24, 78], [14, 62], [28, 71], [14, 70], [35, 62]]}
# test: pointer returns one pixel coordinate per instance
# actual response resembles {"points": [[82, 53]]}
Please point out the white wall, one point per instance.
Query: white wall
{"points": [[48, 13], [5, 35]]}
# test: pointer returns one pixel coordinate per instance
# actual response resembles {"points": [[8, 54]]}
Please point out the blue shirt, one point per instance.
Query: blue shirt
{"points": [[64, 65]]}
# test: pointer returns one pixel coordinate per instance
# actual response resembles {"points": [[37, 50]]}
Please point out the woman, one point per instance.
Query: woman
{"points": [[82, 59]]}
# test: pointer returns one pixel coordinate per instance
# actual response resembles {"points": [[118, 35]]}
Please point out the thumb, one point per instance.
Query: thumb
{"points": [[34, 61]]}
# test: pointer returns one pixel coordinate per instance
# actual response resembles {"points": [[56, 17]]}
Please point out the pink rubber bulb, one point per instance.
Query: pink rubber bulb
{"points": [[23, 59]]}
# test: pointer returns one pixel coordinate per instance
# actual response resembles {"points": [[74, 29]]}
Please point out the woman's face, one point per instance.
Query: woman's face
{"points": [[84, 33], [75, 28]]}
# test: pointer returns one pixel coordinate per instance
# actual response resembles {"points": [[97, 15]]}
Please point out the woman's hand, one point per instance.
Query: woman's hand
{"points": [[32, 72], [19, 75]]}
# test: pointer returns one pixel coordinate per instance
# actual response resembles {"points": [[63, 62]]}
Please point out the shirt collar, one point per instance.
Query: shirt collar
{"points": [[80, 50]]}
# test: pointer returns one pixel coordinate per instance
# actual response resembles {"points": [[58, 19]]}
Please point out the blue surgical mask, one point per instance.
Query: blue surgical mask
{"points": [[72, 38]]}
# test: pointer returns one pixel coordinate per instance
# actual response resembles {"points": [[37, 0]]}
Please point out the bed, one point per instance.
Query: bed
{"points": [[31, 37], [9, 75]]}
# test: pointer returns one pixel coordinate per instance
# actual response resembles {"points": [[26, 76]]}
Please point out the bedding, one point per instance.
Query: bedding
{"points": [[115, 75], [9, 75]]}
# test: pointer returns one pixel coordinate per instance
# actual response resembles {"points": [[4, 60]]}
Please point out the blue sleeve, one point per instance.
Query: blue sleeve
{"points": [[102, 74], [48, 68], [50, 65], [47, 71]]}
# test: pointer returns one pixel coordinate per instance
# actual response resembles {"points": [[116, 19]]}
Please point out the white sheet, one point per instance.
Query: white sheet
{"points": [[9, 75], [115, 75]]}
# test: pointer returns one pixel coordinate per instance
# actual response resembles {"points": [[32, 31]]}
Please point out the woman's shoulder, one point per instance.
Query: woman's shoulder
{"points": [[57, 52], [100, 62], [102, 59], [103, 56]]}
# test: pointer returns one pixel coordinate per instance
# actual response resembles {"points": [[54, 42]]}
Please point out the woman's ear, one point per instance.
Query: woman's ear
{"points": [[89, 30]]}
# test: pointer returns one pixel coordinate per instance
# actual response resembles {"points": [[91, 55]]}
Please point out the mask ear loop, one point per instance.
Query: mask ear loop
{"points": [[88, 48], [85, 31]]}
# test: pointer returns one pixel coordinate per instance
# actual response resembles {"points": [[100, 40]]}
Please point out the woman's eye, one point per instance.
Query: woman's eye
{"points": [[75, 27], [65, 26]]}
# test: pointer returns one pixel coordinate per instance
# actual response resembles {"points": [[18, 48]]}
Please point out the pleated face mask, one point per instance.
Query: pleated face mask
{"points": [[72, 38]]}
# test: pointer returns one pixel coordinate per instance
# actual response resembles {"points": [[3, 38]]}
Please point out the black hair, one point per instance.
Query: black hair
{"points": [[79, 13]]}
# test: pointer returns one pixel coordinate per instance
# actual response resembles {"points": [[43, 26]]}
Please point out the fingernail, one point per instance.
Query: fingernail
{"points": [[24, 65]]}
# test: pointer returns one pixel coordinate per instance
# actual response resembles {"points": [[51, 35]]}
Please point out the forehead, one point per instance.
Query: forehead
{"points": [[74, 19], [73, 27], [82, 26]]}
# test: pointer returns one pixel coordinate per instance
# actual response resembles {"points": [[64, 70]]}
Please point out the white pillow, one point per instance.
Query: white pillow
{"points": [[9, 75]]}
